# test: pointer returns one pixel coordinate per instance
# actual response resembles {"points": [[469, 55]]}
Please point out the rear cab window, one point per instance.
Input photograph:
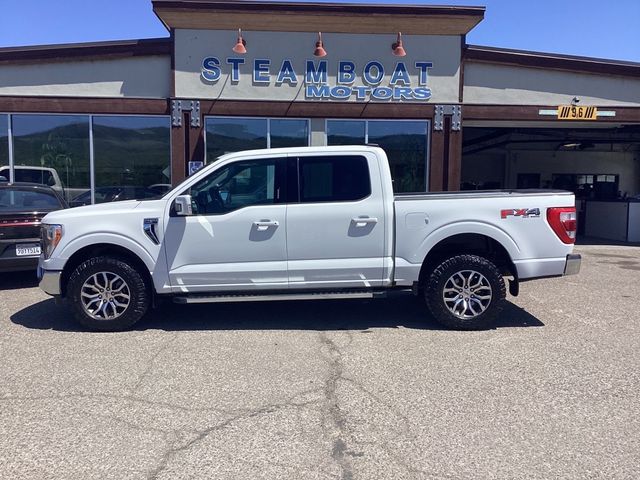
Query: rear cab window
{"points": [[335, 178], [43, 177]]}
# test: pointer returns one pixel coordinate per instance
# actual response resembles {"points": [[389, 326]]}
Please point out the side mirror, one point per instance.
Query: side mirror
{"points": [[182, 205]]}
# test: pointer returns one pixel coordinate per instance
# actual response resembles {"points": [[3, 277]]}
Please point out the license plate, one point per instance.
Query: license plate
{"points": [[25, 249]]}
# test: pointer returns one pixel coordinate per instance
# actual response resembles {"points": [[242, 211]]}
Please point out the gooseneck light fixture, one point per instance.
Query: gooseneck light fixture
{"points": [[397, 48], [319, 51], [240, 46]]}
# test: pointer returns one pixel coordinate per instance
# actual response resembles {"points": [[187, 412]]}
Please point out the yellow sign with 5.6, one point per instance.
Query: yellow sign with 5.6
{"points": [[574, 112]]}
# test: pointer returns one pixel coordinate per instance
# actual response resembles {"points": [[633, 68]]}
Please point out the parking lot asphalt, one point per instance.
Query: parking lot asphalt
{"points": [[336, 389]]}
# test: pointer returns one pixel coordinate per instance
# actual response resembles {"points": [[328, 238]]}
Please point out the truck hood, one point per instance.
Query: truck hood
{"points": [[101, 210]]}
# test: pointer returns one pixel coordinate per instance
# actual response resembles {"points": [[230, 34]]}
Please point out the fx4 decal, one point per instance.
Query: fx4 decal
{"points": [[520, 212]]}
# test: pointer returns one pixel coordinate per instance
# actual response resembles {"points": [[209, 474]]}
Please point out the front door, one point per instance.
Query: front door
{"points": [[236, 237], [336, 229]]}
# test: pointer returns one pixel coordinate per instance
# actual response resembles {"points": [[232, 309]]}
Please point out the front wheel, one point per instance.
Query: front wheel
{"points": [[107, 294], [465, 292]]}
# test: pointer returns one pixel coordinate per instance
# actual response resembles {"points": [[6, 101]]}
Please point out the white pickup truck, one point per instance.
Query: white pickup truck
{"points": [[305, 223]]}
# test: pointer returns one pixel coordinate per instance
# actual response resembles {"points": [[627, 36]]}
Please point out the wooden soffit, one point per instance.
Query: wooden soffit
{"points": [[314, 17]]}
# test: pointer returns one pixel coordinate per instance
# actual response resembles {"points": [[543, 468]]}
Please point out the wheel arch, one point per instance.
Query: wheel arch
{"points": [[469, 244], [104, 249]]}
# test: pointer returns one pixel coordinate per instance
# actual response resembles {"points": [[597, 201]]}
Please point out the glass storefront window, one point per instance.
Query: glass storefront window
{"points": [[346, 132], [227, 135], [4, 147], [405, 143], [288, 133], [132, 157], [54, 150]]}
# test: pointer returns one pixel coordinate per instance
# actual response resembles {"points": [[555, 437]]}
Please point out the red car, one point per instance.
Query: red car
{"points": [[22, 207]]}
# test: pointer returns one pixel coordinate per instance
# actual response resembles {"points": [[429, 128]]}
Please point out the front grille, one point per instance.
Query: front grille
{"points": [[19, 228]]}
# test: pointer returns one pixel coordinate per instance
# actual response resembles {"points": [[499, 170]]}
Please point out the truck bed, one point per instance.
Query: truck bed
{"points": [[480, 194], [423, 220]]}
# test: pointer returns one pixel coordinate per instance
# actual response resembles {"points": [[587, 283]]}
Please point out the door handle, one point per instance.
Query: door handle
{"points": [[362, 221], [262, 225]]}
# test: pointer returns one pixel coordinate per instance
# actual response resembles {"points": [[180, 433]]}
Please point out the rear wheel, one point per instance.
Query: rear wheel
{"points": [[465, 292], [107, 294]]}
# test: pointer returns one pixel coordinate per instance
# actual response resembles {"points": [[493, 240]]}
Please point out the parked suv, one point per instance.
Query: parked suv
{"points": [[22, 207]]}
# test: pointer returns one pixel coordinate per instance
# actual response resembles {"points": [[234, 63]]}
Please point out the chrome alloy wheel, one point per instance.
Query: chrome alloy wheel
{"points": [[467, 294], [105, 296]]}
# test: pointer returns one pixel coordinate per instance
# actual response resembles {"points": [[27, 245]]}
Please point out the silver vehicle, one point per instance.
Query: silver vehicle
{"points": [[305, 223]]}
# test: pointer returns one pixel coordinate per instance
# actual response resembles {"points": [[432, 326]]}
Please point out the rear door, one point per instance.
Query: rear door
{"points": [[335, 225]]}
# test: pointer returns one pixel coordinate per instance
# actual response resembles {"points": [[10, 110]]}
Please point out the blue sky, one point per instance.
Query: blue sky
{"points": [[595, 28]]}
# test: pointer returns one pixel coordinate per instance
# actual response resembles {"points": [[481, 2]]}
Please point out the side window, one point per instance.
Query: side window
{"points": [[333, 179], [237, 185], [43, 177]]}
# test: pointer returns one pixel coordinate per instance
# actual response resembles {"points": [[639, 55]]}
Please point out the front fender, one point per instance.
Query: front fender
{"points": [[60, 258]]}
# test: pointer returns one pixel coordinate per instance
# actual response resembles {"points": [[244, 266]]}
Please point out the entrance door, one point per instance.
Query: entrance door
{"points": [[236, 237], [335, 234]]}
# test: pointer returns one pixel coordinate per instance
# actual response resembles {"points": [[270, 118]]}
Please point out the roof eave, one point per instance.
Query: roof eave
{"points": [[328, 17], [531, 59]]}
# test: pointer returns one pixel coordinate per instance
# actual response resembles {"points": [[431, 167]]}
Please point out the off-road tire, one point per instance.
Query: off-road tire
{"points": [[139, 293], [435, 285]]}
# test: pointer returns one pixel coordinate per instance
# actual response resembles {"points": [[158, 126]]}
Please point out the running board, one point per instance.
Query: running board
{"points": [[275, 297]]}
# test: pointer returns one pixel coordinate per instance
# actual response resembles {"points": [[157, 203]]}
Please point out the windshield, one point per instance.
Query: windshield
{"points": [[14, 200]]}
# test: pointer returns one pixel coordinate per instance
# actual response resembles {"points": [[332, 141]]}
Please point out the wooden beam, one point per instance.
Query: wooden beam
{"points": [[85, 105], [436, 160], [455, 161]]}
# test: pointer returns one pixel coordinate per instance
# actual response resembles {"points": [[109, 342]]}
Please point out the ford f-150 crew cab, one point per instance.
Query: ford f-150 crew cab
{"points": [[305, 223]]}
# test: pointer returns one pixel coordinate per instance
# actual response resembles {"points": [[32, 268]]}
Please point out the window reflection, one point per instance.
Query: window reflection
{"points": [[289, 133], [346, 132], [132, 157], [227, 135], [405, 143], [54, 150], [406, 146]]}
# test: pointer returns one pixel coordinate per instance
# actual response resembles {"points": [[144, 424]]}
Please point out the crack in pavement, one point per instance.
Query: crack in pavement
{"points": [[147, 371], [174, 450], [340, 452], [332, 413]]}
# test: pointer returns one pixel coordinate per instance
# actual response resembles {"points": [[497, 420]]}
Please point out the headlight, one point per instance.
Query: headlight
{"points": [[50, 237]]}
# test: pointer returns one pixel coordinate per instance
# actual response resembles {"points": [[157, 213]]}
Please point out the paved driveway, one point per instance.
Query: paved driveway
{"points": [[344, 389]]}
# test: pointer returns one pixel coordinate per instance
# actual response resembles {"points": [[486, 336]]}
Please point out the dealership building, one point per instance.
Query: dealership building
{"points": [[236, 75]]}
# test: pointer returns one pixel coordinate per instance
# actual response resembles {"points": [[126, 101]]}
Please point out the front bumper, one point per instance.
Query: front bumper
{"points": [[50, 281], [572, 265], [18, 264]]}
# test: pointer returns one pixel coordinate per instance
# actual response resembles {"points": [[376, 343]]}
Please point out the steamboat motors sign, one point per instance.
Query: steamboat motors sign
{"points": [[315, 78]]}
